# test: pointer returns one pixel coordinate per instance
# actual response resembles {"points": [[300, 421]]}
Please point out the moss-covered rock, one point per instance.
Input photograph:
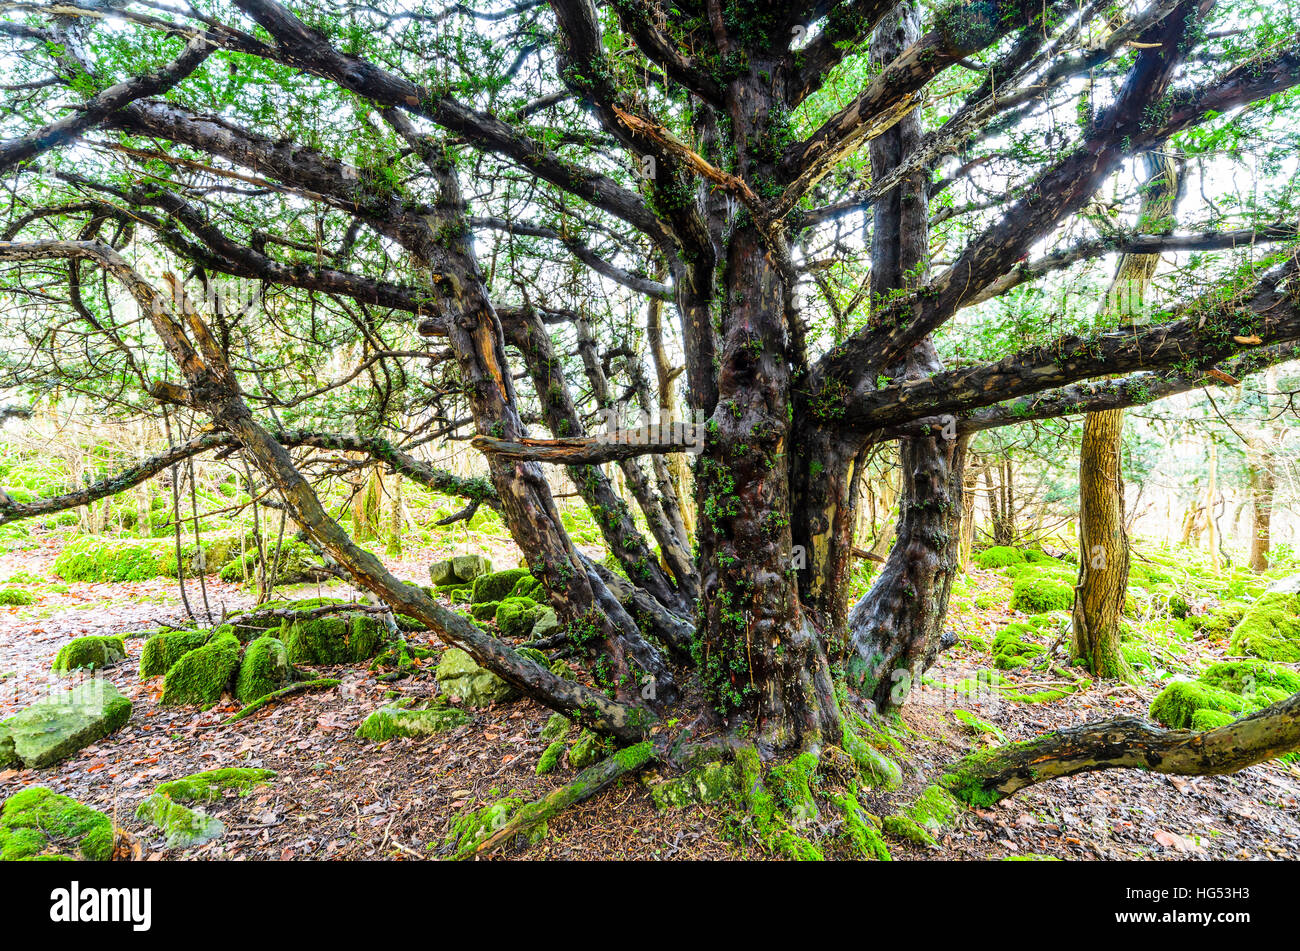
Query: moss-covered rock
{"points": [[261, 619], [587, 749], [212, 784], [54, 729], [294, 563], [1012, 647], [1175, 705], [557, 727], [36, 820], [388, 722], [703, 784], [1258, 680], [1206, 719], [484, 611], [977, 727], [497, 585], [999, 556], [201, 676], [264, 669], [17, 597], [1270, 628], [163, 650], [470, 567], [529, 587], [515, 617], [459, 676], [182, 826], [1037, 594], [89, 653], [336, 639]]}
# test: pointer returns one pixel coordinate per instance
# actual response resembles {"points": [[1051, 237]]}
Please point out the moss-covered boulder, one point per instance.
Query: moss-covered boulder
{"points": [[182, 826], [497, 585], [37, 823], [459, 676], [1038, 594], [999, 556], [485, 611], [546, 623], [89, 653], [54, 729], [1264, 682], [470, 567], [1270, 628], [459, 571], [515, 617], [388, 722], [163, 650], [203, 675], [211, 785], [529, 587], [1012, 647], [264, 669], [332, 640], [704, 784], [1175, 705]]}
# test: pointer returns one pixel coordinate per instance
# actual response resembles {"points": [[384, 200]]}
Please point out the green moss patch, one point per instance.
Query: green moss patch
{"points": [[35, 821], [212, 785], [163, 650], [497, 585], [328, 641], [388, 722], [1013, 648], [1036, 594], [999, 556], [182, 826], [1270, 628], [17, 597]]}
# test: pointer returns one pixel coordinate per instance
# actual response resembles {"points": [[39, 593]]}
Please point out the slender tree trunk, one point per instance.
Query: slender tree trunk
{"points": [[1103, 547], [1103, 539]]}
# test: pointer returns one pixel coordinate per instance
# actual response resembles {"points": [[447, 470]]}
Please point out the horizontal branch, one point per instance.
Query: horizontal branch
{"points": [[987, 777], [605, 447]]}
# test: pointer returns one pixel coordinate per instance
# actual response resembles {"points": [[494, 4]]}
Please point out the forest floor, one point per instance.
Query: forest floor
{"points": [[339, 797]]}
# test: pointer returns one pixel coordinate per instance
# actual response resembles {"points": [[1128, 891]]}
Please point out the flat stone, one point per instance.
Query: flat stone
{"points": [[54, 729], [388, 722]]}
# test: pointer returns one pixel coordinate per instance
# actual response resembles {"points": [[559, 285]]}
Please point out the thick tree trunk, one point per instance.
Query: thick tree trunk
{"points": [[894, 630]]}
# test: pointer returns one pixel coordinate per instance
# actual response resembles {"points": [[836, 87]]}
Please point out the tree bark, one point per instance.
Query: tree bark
{"points": [[1103, 538]]}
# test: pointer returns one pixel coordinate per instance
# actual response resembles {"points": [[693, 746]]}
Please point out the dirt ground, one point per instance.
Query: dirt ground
{"points": [[339, 797]]}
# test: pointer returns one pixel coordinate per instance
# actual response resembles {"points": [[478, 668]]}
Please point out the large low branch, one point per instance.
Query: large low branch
{"points": [[1210, 332], [102, 105], [986, 777], [607, 447]]}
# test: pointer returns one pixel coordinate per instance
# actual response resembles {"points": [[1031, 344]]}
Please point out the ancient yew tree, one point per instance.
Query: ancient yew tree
{"points": [[776, 217]]}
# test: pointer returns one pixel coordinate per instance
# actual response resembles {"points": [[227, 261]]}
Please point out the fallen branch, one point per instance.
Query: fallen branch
{"points": [[280, 694], [585, 785], [985, 777]]}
